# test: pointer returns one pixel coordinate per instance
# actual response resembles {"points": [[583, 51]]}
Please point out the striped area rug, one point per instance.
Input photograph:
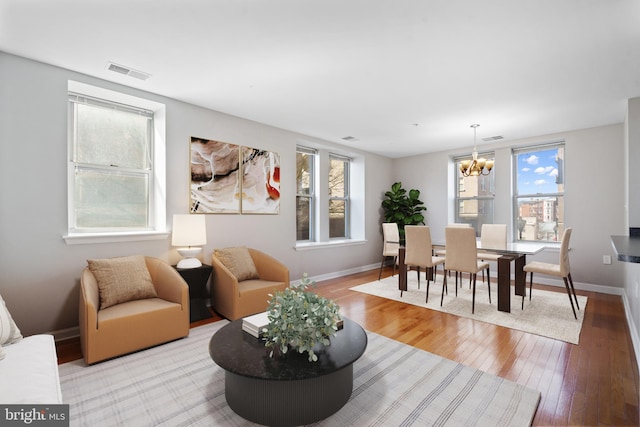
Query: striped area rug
{"points": [[177, 384]]}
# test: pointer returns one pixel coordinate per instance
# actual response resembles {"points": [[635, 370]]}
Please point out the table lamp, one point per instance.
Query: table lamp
{"points": [[189, 233]]}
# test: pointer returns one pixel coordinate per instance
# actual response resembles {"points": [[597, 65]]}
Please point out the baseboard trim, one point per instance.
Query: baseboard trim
{"points": [[633, 331], [65, 334], [336, 274]]}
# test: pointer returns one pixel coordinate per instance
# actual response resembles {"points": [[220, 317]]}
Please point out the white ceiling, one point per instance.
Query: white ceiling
{"points": [[401, 76]]}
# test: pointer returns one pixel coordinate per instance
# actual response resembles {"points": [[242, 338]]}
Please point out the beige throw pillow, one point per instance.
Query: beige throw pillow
{"points": [[239, 262], [9, 332], [122, 279]]}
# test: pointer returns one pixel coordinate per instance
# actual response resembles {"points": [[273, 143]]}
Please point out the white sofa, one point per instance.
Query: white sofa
{"points": [[29, 372]]}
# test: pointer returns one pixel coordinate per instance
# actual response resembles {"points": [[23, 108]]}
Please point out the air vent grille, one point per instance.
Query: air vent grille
{"points": [[121, 69], [492, 138], [350, 139]]}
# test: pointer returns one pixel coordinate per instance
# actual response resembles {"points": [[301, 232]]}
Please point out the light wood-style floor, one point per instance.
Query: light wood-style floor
{"points": [[593, 383]]}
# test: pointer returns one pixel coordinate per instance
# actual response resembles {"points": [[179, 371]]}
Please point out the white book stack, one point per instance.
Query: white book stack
{"points": [[255, 323]]}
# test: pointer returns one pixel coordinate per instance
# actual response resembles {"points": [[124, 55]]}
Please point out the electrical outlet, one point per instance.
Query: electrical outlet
{"points": [[606, 259]]}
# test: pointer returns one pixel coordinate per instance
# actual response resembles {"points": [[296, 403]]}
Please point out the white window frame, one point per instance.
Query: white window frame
{"points": [[357, 201], [157, 228], [560, 193], [346, 197], [311, 196]]}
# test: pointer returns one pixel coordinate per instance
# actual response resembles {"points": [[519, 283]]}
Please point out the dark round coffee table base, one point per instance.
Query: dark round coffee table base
{"points": [[288, 403]]}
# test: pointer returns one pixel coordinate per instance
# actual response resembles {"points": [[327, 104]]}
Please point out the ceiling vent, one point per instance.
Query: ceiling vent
{"points": [[492, 138], [350, 139], [121, 69]]}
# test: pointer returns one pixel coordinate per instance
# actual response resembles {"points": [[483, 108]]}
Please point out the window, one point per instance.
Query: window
{"points": [[474, 196], [305, 193], [115, 143], [338, 196], [326, 214], [539, 192]]}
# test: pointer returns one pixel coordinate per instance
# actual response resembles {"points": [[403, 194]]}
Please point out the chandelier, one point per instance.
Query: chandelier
{"points": [[476, 166]]}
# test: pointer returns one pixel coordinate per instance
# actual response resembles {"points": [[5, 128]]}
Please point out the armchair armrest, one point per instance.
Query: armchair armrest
{"points": [[89, 300], [169, 285], [224, 289], [269, 268]]}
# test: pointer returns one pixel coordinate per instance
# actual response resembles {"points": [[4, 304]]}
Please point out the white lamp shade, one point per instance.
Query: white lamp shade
{"points": [[189, 230]]}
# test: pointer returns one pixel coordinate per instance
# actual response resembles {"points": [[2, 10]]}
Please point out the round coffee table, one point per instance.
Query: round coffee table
{"points": [[286, 390]]}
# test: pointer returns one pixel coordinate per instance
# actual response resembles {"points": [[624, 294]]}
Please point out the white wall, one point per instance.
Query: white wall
{"points": [[594, 200], [632, 192], [39, 272], [633, 135]]}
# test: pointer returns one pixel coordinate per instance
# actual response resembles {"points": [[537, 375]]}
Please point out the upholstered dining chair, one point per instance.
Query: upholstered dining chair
{"points": [[562, 269], [492, 236], [462, 257], [443, 252], [390, 245], [419, 252]]}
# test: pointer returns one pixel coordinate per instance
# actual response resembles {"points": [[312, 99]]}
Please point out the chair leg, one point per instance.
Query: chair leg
{"points": [[566, 285], [428, 270], [488, 283], [381, 265], [418, 273], [574, 291], [473, 298], [525, 288], [458, 273], [393, 272], [444, 286]]}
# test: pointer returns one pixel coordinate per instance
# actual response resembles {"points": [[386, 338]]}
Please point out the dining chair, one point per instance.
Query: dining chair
{"points": [[462, 257], [562, 269], [492, 236], [390, 245], [443, 252], [419, 252]]}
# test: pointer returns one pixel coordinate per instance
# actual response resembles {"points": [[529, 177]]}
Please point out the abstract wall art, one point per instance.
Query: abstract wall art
{"points": [[228, 178]]}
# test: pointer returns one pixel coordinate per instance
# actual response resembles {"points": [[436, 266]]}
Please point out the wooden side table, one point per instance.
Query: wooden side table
{"points": [[197, 279]]}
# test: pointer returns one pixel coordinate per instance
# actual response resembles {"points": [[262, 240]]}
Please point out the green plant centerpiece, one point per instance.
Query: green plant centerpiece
{"points": [[402, 207], [300, 319]]}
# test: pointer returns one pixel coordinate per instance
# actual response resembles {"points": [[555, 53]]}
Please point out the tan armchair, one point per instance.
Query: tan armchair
{"points": [[133, 325], [233, 298]]}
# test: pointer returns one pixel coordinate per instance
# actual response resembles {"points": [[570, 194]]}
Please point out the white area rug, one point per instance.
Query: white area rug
{"points": [[548, 313], [177, 384]]}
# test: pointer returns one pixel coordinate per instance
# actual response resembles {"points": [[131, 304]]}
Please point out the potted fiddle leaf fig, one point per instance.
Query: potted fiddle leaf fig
{"points": [[402, 207], [299, 320]]}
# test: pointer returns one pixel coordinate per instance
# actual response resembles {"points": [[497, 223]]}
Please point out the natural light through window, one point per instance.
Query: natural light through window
{"points": [[116, 169], [539, 192]]}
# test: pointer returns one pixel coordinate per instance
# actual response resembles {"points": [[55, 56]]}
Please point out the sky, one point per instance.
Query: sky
{"points": [[537, 172]]}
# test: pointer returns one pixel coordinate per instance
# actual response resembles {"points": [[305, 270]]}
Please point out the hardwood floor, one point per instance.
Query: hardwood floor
{"points": [[593, 383]]}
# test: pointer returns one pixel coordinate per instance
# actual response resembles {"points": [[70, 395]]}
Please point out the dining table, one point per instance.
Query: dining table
{"points": [[513, 251]]}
